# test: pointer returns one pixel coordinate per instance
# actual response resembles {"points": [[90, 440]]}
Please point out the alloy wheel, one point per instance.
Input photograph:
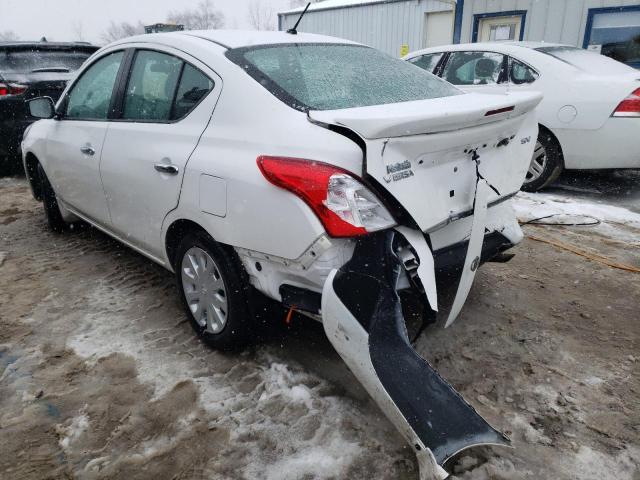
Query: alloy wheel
{"points": [[538, 163]]}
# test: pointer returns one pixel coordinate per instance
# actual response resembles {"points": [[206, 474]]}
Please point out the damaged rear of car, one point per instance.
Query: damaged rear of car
{"points": [[323, 173], [431, 199]]}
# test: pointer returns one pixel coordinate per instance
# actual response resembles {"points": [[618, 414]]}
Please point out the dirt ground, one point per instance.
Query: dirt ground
{"points": [[101, 376]]}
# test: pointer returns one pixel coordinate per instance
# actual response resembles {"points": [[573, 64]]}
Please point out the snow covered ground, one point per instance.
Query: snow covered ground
{"points": [[612, 221], [102, 378]]}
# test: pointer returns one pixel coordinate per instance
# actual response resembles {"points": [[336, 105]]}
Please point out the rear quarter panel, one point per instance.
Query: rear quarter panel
{"points": [[248, 121]]}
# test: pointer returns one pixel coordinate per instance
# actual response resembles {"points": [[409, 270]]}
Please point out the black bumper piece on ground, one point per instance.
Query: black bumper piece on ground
{"points": [[438, 415]]}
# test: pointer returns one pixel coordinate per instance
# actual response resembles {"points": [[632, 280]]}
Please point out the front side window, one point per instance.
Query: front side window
{"points": [[520, 73], [427, 62], [152, 86], [335, 76], [474, 68], [90, 97]]}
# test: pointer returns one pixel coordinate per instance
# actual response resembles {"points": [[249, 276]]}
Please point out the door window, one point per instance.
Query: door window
{"points": [[90, 97], [474, 68], [194, 86], [427, 62], [521, 74], [152, 86]]}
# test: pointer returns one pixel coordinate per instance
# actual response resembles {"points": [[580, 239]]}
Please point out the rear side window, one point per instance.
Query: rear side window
{"points": [[334, 76], [521, 74], [585, 60], [427, 62], [35, 59], [90, 97], [152, 86], [194, 86], [474, 68]]}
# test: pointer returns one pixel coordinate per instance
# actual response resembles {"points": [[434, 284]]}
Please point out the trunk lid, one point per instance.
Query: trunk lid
{"points": [[428, 153]]}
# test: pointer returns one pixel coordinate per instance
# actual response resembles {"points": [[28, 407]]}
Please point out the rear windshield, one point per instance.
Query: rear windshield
{"points": [[585, 60], [334, 76], [27, 60]]}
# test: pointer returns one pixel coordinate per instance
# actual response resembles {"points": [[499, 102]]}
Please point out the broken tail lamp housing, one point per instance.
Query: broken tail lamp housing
{"points": [[629, 107], [343, 204]]}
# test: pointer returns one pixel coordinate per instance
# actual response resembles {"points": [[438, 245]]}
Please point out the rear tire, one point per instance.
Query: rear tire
{"points": [[50, 203], [546, 163], [215, 292]]}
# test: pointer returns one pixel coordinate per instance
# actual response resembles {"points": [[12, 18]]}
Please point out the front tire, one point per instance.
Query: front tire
{"points": [[546, 163], [214, 291], [50, 203]]}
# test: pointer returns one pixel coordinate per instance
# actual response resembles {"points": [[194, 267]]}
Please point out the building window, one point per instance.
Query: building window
{"points": [[615, 32], [498, 27]]}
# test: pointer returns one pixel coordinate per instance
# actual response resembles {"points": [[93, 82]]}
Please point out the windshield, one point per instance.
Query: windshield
{"points": [[27, 60], [333, 76], [585, 60]]}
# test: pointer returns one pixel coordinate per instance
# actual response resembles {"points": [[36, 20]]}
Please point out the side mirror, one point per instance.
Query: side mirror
{"points": [[42, 107]]}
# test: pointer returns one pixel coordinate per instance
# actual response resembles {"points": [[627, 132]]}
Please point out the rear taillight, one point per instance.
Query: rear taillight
{"points": [[345, 206], [7, 89], [629, 107]]}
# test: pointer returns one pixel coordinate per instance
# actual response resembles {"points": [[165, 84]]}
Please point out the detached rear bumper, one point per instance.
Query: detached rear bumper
{"points": [[362, 317]]}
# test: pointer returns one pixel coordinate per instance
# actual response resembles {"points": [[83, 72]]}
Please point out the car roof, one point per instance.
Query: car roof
{"points": [[501, 47], [242, 38]]}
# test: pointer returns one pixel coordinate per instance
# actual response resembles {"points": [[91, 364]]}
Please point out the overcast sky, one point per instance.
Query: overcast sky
{"points": [[59, 19]]}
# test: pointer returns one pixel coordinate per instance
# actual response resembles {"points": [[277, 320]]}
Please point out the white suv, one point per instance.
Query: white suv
{"points": [[318, 171]]}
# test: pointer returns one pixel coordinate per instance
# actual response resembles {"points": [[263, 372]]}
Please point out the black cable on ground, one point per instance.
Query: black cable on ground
{"points": [[536, 221]]}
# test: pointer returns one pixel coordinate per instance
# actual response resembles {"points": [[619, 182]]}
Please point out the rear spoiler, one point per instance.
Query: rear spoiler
{"points": [[435, 115]]}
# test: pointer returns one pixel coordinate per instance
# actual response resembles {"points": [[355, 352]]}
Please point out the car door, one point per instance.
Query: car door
{"points": [[74, 144], [165, 106], [476, 71]]}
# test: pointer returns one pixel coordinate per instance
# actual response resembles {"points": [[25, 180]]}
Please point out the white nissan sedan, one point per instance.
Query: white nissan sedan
{"points": [[589, 116], [322, 173]]}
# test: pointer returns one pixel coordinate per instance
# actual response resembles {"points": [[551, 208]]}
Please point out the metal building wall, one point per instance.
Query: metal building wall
{"points": [[559, 21], [385, 26]]}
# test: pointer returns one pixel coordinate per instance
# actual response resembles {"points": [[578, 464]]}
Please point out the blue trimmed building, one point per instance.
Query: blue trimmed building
{"points": [[611, 27]]}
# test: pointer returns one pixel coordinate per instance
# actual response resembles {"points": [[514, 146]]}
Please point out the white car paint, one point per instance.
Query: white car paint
{"points": [[577, 104], [427, 156]]}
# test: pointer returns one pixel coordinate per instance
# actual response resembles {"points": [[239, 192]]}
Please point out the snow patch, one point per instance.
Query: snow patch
{"points": [[318, 462], [496, 468], [616, 221], [271, 410], [529, 433], [74, 430], [279, 381], [593, 465]]}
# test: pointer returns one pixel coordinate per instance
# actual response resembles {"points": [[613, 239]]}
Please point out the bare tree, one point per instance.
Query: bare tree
{"points": [[77, 30], [116, 31], [261, 15], [8, 36], [301, 3], [203, 17]]}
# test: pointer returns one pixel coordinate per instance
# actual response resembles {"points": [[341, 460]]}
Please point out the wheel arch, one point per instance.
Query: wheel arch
{"points": [[176, 232], [548, 131], [31, 163]]}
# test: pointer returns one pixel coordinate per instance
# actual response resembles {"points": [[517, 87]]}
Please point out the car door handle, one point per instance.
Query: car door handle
{"points": [[87, 150], [166, 168]]}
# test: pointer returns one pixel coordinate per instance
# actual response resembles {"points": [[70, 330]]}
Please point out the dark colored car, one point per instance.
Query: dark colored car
{"points": [[30, 70]]}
